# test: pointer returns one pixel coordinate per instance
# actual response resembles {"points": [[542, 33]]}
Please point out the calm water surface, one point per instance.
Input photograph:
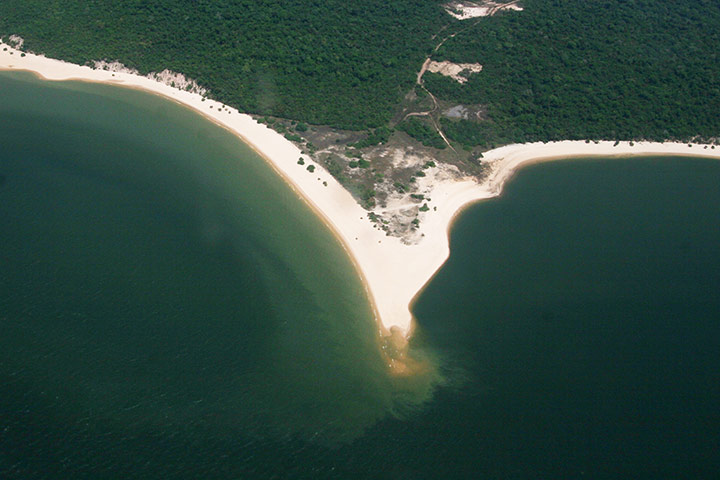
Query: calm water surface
{"points": [[168, 309]]}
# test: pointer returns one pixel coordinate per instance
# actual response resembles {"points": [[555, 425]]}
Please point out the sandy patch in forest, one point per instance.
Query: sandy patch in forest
{"points": [[466, 10], [457, 71]]}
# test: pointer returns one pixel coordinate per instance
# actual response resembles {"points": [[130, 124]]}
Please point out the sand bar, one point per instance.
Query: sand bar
{"points": [[393, 272]]}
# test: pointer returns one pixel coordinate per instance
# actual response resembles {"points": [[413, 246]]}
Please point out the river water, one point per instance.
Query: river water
{"points": [[170, 309]]}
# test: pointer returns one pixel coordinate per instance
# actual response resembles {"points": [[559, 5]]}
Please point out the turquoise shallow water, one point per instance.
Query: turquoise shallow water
{"points": [[169, 309]]}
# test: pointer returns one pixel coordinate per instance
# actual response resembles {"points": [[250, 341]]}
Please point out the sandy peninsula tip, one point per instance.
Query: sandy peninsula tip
{"points": [[393, 271]]}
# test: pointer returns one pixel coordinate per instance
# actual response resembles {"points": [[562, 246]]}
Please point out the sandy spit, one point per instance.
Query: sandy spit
{"points": [[393, 272]]}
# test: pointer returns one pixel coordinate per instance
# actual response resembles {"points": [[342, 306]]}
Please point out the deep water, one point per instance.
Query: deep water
{"points": [[169, 309], [158, 281], [584, 305]]}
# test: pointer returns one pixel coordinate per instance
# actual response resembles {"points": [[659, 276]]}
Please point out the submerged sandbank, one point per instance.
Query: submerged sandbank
{"points": [[393, 272]]}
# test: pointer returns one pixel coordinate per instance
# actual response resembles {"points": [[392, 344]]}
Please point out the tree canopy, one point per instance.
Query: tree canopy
{"points": [[560, 69], [601, 69], [335, 62]]}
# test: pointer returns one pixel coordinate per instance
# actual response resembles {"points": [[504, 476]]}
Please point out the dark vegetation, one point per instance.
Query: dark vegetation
{"points": [[423, 132], [601, 69], [560, 69], [375, 137], [334, 62], [467, 132], [336, 170]]}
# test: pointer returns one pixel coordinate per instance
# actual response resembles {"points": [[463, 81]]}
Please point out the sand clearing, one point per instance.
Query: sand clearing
{"points": [[457, 71], [463, 10], [393, 272]]}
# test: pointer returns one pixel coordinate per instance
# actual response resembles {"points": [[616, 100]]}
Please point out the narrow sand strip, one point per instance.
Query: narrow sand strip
{"points": [[393, 272]]}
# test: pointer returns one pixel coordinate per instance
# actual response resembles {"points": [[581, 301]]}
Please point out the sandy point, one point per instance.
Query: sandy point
{"points": [[393, 271]]}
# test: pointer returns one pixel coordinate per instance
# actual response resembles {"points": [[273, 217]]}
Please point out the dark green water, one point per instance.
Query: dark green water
{"points": [[158, 281], [168, 309], [585, 307]]}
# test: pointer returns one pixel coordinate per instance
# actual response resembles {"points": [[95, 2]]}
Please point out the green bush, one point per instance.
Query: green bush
{"points": [[375, 137]]}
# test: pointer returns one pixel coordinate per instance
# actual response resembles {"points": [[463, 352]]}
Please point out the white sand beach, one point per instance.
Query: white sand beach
{"points": [[393, 272]]}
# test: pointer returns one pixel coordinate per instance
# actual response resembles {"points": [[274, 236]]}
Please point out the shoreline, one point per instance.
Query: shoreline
{"points": [[508, 160], [393, 273]]}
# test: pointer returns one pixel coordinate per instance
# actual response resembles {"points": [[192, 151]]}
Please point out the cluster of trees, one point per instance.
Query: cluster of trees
{"points": [[605, 69], [468, 133], [375, 137], [423, 132], [336, 62]]}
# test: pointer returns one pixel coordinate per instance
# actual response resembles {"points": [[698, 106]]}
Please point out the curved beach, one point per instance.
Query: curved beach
{"points": [[393, 272]]}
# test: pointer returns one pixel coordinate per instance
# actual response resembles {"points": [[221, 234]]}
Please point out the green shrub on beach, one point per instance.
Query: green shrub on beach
{"points": [[293, 138]]}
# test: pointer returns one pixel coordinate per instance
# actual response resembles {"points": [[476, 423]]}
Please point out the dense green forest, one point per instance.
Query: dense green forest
{"points": [[560, 69], [336, 62], [601, 69]]}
